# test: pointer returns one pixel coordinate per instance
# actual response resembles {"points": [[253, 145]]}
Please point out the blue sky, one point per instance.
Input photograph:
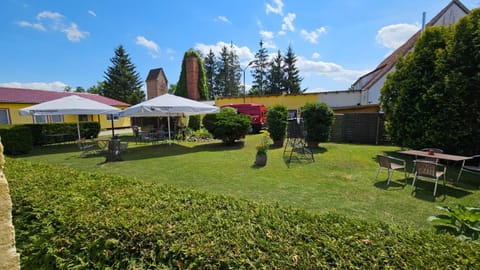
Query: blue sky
{"points": [[51, 44]]}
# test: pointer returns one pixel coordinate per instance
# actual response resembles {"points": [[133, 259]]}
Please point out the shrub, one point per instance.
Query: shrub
{"points": [[87, 130], [194, 122], [318, 118], [16, 140], [227, 125], [66, 218], [277, 117], [459, 220]]}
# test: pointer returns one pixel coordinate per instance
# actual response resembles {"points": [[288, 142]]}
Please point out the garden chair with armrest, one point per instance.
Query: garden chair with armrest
{"points": [[391, 164], [429, 170]]}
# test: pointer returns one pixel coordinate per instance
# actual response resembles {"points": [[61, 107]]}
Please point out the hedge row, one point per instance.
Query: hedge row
{"points": [[39, 131], [65, 218], [16, 139]]}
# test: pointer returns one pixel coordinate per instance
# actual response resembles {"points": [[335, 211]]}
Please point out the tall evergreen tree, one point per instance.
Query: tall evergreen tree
{"points": [[292, 74], [210, 72], [122, 82], [234, 74], [276, 76], [259, 70], [222, 76]]}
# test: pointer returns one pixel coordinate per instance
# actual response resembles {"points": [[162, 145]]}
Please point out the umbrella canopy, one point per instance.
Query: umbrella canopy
{"points": [[69, 105], [169, 105]]}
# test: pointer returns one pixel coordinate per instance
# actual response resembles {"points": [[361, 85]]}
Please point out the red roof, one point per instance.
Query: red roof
{"points": [[32, 96]]}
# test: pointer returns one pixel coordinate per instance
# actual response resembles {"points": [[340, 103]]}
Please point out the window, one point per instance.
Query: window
{"points": [[292, 114], [4, 118], [116, 117], [40, 119], [83, 118], [56, 118]]}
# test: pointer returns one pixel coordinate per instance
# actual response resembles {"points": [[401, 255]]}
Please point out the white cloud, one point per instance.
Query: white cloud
{"points": [[393, 36], [49, 15], [242, 52], [267, 34], [222, 19], [55, 86], [288, 23], [56, 22], [37, 26], [150, 45], [277, 9], [73, 33], [313, 36], [315, 55], [328, 69], [91, 12]]}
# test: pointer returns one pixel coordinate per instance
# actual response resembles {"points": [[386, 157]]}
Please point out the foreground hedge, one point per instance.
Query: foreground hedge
{"points": [[66, 218]]}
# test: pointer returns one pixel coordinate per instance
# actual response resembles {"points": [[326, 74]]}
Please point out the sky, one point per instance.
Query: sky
{"points": [[52, 44]]}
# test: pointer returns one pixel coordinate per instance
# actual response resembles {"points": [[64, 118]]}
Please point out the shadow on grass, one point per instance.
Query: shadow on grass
{"points": [[302, 157], [394, 185], [423, 190], [163, 149]]}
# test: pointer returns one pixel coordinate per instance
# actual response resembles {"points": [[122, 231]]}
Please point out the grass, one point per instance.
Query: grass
{"points": [[341, 179]]}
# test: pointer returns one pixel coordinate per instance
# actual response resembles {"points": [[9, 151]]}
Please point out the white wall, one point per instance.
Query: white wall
{"points": [[340, 98]]}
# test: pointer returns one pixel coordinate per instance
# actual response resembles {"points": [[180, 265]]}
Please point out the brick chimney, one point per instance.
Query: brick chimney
{"points": [[192, 69], [157, 83]]}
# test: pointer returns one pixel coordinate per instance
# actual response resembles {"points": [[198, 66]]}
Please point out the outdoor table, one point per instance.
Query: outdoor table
{"points": [[442, 156]]}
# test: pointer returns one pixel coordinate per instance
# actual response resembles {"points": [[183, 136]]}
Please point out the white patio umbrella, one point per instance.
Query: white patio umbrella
{"points": [[169, 105], [70, 105]]}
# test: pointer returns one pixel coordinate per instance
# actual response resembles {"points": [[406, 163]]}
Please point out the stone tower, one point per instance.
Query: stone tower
{"points": [[157, 83], [191, 70]]}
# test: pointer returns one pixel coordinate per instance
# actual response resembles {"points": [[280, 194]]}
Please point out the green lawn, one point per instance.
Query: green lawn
{"points": [[341, 179]]}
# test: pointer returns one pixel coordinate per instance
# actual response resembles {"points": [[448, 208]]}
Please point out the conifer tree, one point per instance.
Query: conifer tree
{"points": [[292, 73], [276, 76], [259, 70], [210, 72], [122, 81]]}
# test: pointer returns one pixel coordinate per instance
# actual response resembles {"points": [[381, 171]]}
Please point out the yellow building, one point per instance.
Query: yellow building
{"points": [[14, 99]]}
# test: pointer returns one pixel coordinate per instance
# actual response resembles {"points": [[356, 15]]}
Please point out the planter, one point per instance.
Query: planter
{"points": [[261, 160]]}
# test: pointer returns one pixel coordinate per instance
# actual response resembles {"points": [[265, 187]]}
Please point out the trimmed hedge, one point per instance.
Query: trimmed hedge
{"points": [[39, 131], [16, 140], [65, 218]]}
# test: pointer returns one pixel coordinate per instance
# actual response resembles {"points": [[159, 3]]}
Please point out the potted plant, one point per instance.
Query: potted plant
{"points": [[318, 119], [277, 117], [262, 147]]}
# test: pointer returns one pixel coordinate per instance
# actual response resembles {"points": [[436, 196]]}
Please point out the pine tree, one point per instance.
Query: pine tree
{"points": [[276, 76], [292, 80], [259, 71], [122, 82], [210, 73], [221, 78], [234, 74]]}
